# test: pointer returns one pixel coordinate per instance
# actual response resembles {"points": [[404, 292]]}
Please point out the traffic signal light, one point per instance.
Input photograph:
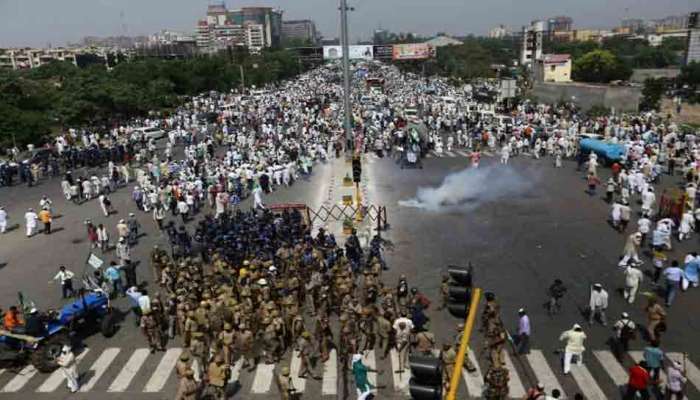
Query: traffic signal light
{"points": [[356, 170], [426, 378], [460, 290]]}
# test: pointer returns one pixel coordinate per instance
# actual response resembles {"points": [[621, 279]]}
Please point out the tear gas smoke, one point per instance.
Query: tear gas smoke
{"points": [[470, 188]]}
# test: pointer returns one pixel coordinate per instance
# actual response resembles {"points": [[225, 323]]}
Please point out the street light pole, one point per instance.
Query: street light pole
{"points": [[344, 39]]}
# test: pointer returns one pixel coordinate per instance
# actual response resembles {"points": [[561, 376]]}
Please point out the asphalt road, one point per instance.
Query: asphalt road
{"points": [[518, 244]]}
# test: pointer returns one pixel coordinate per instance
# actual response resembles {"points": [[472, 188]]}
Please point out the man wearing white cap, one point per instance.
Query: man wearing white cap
{"points": [[676, 381], [66, 360], [3, 220], [598, 304], [30, 218], [523, 338], [574, 346]]}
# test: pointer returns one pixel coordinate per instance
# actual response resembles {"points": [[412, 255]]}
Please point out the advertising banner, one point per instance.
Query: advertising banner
{"points": [[383, 52], [356, 52], [413, 51]]}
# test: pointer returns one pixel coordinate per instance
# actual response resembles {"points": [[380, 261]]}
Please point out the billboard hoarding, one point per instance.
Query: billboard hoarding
{"points": [[383, 52], [413, 51], [356, 52]]}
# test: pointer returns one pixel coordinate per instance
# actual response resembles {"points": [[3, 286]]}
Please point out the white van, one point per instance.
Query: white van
{"points": [[150, 132]]}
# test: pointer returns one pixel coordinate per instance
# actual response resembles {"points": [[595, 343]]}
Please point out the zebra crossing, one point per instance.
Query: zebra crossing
{"points": [[114, 370]]}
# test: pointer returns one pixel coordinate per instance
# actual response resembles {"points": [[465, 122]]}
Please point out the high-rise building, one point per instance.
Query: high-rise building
{"points": [[531, 48], [559, 24], [32, 58], [693, 52], [672, 22], [252, 27], [635, 25], [499, 32], [381, 36], [302, 29]]}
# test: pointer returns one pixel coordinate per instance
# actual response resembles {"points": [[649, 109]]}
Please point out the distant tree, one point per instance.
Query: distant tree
{"points": [[652, 93], [690, 75], [600, 66]]}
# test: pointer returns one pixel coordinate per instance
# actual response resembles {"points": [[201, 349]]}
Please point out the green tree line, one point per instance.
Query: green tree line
{"points": [[36, 102]]}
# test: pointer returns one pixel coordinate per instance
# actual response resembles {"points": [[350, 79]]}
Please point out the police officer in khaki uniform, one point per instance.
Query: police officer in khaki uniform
{"points": [[425, 342], [496, 381], [227, 338], [448, 357], [444, 292], [199, 351], [187, 389], [151, 329], [183, 364], [457, 342], [244, 344], [496, 341], [305, 348], [384, 335], [217, 377], [285, 385]]}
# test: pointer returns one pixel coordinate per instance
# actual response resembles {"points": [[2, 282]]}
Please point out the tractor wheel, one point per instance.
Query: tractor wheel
{"points": [[108, 325], [44, 357]]}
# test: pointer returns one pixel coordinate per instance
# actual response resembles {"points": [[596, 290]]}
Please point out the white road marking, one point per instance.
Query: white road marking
{"points": [[543, 372], [263, 378], [294, 369], [436, 154], [163, 371], [462, 153], [612, 367], [99, 367], [236, 370], [692, 372], [473, 380], [515, 385], [370, 361], [54, 381], [450, 154], [329, 385], [129, 371], [20, 379], [586, 383], [401, 377]]}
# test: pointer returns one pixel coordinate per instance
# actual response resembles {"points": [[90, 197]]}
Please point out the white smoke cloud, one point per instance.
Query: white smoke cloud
{"points": [[470, 188]]}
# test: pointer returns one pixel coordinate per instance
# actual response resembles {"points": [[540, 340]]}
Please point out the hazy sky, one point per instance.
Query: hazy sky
{"points": [[40, 22]]}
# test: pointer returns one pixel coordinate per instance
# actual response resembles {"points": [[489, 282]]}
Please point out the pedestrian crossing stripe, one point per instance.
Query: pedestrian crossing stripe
{"points": [[543, 372], [612, 367], [298, 383], [329, 384], [264, 374], [129, 371], [263, 378], [400, 373], [515, 385], [165, 367], [473, 380], [20, 379], [586, 383], [99, 367]]}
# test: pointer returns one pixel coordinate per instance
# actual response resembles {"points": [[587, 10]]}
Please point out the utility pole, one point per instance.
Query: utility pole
{"points": [[344, 39]]}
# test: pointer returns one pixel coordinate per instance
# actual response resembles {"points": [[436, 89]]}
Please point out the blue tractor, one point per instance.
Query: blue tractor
{"points": [[90, 311]]}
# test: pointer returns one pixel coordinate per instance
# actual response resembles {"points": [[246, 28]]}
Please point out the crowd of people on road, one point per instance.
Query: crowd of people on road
{"points": [[256, 285]]}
